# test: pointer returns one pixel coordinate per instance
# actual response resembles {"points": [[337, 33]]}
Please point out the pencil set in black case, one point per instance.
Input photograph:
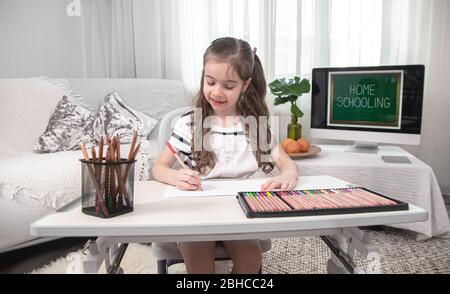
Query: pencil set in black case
{"points": [[316, 202]]}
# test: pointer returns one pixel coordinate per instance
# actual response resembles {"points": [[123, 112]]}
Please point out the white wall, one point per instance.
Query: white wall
{"points": [[39, 38]]}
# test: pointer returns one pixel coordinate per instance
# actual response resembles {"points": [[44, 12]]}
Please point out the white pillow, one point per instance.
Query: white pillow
{"points": [[25, 107], [67, 88]]}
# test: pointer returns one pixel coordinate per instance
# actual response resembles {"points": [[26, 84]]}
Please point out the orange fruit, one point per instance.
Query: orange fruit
{"points": [[285, 142], [303, 144], [290, 146]]}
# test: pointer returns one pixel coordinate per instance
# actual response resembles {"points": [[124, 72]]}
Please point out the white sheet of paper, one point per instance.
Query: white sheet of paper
{"points": [[231, 187], [218, 188]]}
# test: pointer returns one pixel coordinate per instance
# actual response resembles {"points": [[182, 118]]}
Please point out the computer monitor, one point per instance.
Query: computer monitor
{"points": [[368, 105]]}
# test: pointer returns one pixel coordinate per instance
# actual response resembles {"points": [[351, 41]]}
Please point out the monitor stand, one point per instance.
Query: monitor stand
{"points": [[364, 147]]}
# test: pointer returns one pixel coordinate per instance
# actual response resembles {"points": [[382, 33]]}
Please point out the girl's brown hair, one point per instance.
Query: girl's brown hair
{"points": [[244, 60]]}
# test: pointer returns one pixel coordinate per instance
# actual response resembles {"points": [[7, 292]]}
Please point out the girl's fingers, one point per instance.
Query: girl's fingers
{"points": [[186, 186], [196, 180], [265, 185], [187, 172], [192, 187], [190, 179], [199, 180], [190, 176], [273, 185], [291, 186]]}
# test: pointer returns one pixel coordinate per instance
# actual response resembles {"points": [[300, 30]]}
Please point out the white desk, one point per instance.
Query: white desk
{"points": [[412, 183], [159, 219]]}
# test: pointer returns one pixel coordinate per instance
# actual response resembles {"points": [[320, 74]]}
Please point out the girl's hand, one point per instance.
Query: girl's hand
{"points": [[187, 179], [282, 182]]}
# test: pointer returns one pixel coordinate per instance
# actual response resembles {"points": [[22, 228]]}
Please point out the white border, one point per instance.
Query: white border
{"points": [[398, 127]]}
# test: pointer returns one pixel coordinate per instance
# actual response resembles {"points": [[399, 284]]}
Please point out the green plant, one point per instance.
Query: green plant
{"points": [[289, 90]]}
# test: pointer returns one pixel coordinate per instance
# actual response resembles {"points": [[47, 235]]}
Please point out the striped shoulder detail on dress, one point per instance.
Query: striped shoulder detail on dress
{"points": [[185, 153], [181, 139], [187, 113]]}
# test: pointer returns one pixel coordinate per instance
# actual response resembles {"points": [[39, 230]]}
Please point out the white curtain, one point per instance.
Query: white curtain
{"points": [[108, 36], [167, 38], [171, 35], [419, 32]]}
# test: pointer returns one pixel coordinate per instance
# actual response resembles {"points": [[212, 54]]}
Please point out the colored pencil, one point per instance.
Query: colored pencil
{"points": [[180, 161], [100, 149], [133, 145]]}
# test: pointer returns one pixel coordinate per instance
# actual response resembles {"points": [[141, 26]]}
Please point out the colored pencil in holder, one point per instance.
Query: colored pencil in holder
{"points": [[133, 145], [100, 148], [97, 186]]}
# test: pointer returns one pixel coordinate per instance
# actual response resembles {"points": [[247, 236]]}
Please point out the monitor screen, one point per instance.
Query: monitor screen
{"points": [[375, 104]]}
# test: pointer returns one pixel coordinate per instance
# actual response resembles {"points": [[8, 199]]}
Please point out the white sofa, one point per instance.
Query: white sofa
{"points": [[32, 184]]}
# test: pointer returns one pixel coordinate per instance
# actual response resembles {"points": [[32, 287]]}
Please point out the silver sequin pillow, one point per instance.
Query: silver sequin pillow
{"points": [[116, 118], [68, 126]]}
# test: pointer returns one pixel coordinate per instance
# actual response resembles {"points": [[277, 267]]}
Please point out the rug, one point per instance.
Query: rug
{"points": [[399, 253]]}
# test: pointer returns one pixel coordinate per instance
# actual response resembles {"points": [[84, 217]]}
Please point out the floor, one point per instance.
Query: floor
{"points": [[28, 259]]}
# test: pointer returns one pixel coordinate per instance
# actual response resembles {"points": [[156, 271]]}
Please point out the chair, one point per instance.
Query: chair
{"points": [[167, 254], [166, 126]]}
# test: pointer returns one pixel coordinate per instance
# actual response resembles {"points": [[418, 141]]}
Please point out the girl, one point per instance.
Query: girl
{"points": [[232, 88]]}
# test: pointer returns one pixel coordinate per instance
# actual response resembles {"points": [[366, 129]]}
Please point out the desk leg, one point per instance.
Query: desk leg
{"points": [[115, 268], [94, 256], [103, 249], [344, 245]]}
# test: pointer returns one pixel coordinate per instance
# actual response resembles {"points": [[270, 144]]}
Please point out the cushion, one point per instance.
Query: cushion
{"points": [[25, 106], [68, 126], [115, 117], [67, 88], [72, 123], [141, 94]]}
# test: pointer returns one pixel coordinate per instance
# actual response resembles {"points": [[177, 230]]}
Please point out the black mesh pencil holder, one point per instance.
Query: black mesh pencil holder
{"points": [[107, 187]]}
